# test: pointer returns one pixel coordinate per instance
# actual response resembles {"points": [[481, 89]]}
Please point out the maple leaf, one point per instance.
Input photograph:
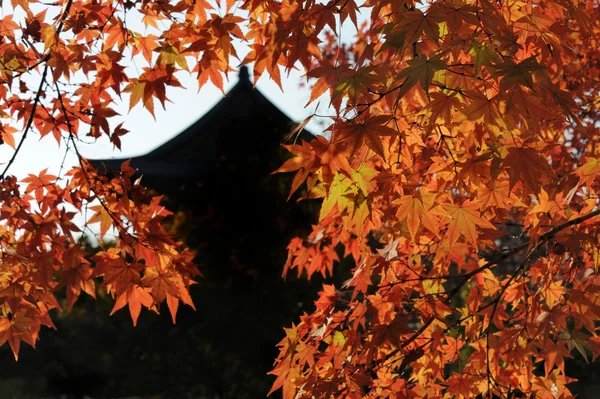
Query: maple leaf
{"points": [[417, 22], [553, 293], [327, 75], [135, 297], [304, 157], [333, 155], [365, 132], [39, 184], [8, 26], [520, 73], [115, 35], [460, 385], [442, 106], [588, 171], [482, 55], [496, 195], [78, 279], [102, 216], [152, 83], [303, 161], [352, 84], [116, 134], [337, 195], [526, 162], [144, 45], [6, 133], [420, 70], [170, 55], [464, 220], [284, 371], [416, 209], [358, 205], [19, 328], [488, 109], [169, 286]]}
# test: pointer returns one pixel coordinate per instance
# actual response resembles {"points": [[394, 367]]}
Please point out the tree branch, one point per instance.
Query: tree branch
{"points": [[544, 238]]}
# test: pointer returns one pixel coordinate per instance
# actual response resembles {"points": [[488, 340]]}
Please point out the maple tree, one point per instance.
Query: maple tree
{"points": [[460, 176], [458, 172]]}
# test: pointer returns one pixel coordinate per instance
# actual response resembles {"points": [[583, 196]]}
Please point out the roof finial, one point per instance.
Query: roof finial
{"points": [[244, 76]]}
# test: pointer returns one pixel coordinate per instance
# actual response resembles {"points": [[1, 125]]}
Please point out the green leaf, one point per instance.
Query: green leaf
{"points": [[482, 55]]}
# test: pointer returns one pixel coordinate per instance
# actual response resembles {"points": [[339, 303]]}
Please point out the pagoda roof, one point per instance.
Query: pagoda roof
{"points": [[194, 149]]}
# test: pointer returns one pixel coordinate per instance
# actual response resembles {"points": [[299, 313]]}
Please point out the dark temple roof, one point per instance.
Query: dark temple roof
{"points": [[243, 119]]}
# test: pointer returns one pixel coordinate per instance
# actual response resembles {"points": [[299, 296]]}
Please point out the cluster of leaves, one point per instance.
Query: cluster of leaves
{"points": [[456, 123], [41, 256], [452, 120], [64, 67]]}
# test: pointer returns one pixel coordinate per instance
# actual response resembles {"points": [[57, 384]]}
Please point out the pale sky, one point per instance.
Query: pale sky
{"points": [[146, 133], [186, 106]]}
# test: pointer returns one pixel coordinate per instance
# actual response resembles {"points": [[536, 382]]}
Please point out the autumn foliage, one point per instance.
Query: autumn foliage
{"points": [[458, 172]]}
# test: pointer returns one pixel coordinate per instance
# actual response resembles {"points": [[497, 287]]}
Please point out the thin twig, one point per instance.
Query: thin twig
{"points": [[38, 95]]}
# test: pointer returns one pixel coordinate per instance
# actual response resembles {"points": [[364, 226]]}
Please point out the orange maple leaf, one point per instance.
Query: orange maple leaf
{"points": [[367, 131], [464, 221], [416, 209], [135, 296], [103, 217]]}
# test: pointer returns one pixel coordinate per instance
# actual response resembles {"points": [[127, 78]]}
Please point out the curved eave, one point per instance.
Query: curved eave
{"points": [[148, 166], [244, 86]]}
